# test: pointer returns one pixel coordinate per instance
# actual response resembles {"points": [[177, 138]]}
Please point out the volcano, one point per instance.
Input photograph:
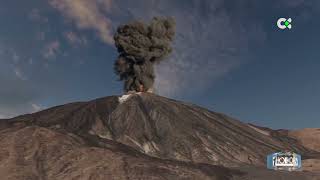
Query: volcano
{"points": [[145, 136]]}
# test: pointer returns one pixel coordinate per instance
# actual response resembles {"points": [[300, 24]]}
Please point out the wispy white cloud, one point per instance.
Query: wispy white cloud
{"points": [[15, 57], [18, 97], [19, 74], [88, 14], [35, 15], [75, 39], [51, 49], [36, 107], [3, 116], [10, 112]]}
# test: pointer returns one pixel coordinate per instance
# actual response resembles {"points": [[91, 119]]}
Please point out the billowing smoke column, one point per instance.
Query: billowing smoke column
{"points": [[140, 46]]}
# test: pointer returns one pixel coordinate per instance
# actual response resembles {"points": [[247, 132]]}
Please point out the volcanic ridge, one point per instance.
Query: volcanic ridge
{"points": [[146, 136]]}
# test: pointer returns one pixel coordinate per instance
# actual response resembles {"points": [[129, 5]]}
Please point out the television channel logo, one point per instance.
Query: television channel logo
{"points": [[289, 161], [284, 23]]}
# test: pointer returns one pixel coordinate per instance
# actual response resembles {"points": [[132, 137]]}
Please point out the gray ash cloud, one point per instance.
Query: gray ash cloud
{"points": [[140, 47]]}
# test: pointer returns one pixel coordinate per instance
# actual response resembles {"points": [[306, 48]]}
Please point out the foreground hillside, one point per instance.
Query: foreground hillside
{"points": [[142, 136]]}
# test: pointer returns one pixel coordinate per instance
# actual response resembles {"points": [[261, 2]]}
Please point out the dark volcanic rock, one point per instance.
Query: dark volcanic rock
{"points": [[144, 136]]}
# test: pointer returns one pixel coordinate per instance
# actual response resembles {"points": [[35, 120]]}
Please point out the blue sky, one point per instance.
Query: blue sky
{"points": [[228, 56]]}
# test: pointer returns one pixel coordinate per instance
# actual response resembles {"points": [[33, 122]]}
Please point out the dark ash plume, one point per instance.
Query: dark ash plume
{"points": [[140, 46]]}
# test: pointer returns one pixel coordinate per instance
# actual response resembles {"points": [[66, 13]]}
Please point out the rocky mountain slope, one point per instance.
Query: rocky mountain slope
{"points": [[310, 138], [140, 136]]}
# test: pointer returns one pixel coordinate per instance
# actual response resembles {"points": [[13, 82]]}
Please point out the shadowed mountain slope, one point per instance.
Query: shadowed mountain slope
{"points": [[139, 136]]}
